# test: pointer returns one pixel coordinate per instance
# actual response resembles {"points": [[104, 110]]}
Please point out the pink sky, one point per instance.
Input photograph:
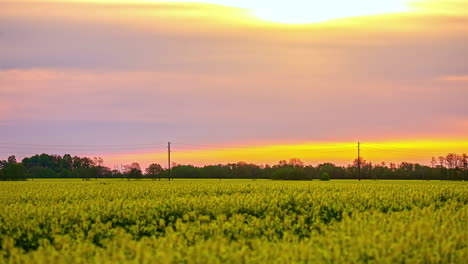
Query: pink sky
{"points": [[87, 76]]}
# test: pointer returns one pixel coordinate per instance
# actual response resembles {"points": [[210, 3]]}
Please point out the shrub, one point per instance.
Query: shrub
{"points": [[325, 177]]}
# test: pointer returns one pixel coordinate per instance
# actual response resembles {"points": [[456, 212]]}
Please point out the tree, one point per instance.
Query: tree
{"points": [[98, 163], [135, 173], [154, 170], [290, 174], [12, 159], [324, 176], [76, 161], [215, 172], [13, 172], [295, 162], [243, 170], [451, 159], [87, 162], [441, 161], [464, 161], [310, 171], [67, 161], [333, 171], [433, 162], [3, 164], [87, 173], [44, 161], [134, 165], [452, 167], [186, 171]]}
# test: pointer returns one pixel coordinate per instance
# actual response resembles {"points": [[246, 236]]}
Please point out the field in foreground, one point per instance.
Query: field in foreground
{"points": [[233, 221]]}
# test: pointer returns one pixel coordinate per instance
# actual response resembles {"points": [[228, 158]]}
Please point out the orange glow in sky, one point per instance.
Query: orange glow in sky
{"points": [[311, 11], [286, 12], [341, 153]]}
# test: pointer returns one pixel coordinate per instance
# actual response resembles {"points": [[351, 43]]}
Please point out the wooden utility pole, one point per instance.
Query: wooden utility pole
{"points": [[169, 159], [359, 160]]}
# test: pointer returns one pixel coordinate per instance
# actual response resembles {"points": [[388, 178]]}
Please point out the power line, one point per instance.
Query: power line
{"points": [[66, 149], [334, 146], [169, 159], [202, 150], [359, 161], [83, 146]]}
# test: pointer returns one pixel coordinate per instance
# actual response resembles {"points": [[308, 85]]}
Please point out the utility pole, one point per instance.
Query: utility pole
{"points": [[359, 160], [169, 159]]}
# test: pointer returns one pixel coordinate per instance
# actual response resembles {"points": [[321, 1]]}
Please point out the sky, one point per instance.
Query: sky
{"points": [[227, 81]]}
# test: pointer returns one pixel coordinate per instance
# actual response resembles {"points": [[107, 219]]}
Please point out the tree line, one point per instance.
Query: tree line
{"points": [[450, 167]]}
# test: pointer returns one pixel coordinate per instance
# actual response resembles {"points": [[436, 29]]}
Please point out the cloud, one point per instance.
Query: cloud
{"points": [[178, 38], [233, 107]]}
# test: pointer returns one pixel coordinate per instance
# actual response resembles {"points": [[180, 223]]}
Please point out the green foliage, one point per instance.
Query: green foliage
{"points": [[332, 170], [290, 173], [453, 168], [135, 173], [214, 172], [185, 172], [38, 172], [87, 173], [235, 221], [324, 176], [13, 172]]}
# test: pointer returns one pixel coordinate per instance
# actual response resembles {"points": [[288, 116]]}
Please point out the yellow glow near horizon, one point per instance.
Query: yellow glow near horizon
{"points": [[295, 11], [341, 153], [311, 11]]}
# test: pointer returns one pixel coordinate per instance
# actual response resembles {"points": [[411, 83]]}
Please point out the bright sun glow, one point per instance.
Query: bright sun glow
{"points": [[311, 11]]}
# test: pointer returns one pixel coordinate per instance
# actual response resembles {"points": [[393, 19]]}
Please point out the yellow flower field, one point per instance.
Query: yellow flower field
{"points": [[233, 221]]}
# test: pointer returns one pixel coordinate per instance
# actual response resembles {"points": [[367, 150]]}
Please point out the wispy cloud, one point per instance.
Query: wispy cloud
{"points": [[455, 78]]}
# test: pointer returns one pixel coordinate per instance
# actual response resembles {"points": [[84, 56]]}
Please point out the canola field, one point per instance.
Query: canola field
{"points": [[233, 221]]}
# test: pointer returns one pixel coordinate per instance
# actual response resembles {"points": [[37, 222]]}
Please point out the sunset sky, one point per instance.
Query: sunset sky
{"points": [[227, 81]]}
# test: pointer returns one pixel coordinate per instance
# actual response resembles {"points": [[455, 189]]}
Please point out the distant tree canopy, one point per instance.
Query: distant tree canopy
{"points": [[290, 173], [10, 170], [134, 173], [55, 166], [154, 169], [449, 167]]}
